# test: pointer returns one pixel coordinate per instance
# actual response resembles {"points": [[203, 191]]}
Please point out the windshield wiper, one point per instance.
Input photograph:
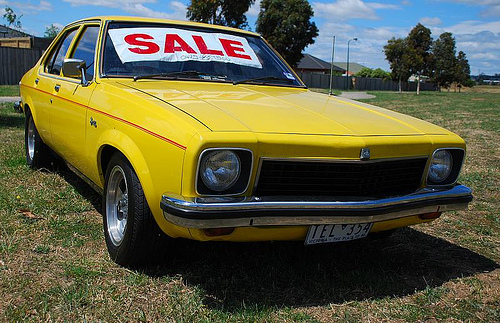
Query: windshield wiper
{"points": [[169, 74], [264, 78]]}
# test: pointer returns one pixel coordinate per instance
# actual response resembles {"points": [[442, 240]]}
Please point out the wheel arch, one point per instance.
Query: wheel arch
{"points": [[114, 141]]}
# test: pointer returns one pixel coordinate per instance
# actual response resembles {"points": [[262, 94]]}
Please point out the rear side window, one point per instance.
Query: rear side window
{"points": [[57, 57], [85, 50]]}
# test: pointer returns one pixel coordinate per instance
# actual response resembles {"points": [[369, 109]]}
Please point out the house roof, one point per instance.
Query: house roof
{"points": [[309, 62], [353, 67], [6, 32]]}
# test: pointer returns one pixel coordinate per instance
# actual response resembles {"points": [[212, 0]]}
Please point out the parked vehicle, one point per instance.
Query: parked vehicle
{"points": [[203, 132]]}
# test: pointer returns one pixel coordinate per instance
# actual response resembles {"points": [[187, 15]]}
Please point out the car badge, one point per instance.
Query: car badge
{"points": [[365, 154]]}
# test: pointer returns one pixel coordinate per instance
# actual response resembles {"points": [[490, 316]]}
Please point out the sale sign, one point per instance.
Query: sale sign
{"points": [[178, 45]]}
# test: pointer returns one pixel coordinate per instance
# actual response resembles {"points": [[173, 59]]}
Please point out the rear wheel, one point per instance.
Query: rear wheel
{"points": [[37, 153], [131, 233]]}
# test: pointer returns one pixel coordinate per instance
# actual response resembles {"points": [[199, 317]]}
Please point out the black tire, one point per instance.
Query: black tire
{"points": [[37, 153], [138, 240]]}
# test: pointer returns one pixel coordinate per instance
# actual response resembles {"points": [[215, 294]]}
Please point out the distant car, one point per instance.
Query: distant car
{"points": [[204, 132]]}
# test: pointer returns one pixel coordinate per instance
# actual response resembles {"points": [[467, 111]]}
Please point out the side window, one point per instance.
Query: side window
{"points": [[54, 64], [85, 49]]}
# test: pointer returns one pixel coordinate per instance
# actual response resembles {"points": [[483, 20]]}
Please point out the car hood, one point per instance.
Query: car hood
{"points": [[225, 107]]}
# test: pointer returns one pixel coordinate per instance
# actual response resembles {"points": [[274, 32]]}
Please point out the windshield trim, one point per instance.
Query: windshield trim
{"points": [[159, 79], [112, 76]]}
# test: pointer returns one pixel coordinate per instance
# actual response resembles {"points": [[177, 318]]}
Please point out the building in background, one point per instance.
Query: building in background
{"points": [[312, 65], [353, 67]]}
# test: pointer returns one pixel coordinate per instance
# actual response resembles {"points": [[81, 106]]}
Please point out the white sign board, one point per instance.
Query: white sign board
{"points": [[178, 45]]}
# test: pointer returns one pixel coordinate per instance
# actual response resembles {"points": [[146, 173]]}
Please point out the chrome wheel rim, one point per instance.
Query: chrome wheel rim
{"points": [[117, 205], [31, 139]]}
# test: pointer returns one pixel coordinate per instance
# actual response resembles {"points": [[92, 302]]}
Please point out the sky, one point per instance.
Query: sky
{"points": [[475, 24]]}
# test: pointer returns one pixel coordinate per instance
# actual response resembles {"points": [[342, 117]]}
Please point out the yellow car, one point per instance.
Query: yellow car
{"points": [[203, 132]]}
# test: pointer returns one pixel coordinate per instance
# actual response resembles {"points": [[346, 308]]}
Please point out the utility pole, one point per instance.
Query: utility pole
{"points": [[331, 66], [347, 72]]}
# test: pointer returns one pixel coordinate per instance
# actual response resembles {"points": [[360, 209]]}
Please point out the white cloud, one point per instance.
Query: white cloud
{"points": [[493, 11], [108, 3], [177, 13], [28, 7], [137, 7], [431, 21], [377, 5], [492, 7], [487, 56], [343, 10], [254, 9], [474, 26]]}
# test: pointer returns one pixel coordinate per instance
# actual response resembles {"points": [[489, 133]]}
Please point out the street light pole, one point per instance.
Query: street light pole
{"points": [[347, 71], [331, 66]]}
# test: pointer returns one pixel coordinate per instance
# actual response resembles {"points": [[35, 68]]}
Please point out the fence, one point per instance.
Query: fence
{"points": [[361, 83], [14, 62]]}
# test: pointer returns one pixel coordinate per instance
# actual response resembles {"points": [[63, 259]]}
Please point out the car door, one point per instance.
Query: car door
{"points": [[68, 118], [48, 73]]}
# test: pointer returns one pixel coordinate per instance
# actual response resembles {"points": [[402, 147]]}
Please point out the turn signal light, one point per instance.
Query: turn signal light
{"points": [[429, 216], [214, 232]]}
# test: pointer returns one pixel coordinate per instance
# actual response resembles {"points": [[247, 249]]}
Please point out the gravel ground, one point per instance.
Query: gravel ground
{"points": [[356, 95]]}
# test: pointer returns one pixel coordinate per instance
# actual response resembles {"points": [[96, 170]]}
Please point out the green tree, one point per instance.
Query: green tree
{"points": [[396, 53], [287, 25], [444, 63], [365, 72], [373, 73], [419, 43], [379, 73], [462, 71], [12, 18], [51, 31], [229, 13]]}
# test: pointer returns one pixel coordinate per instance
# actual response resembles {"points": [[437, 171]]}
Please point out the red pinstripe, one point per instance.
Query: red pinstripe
{"points": [[114, 117]]}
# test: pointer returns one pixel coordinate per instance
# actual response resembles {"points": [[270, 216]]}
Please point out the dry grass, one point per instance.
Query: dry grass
{"points": [[54, 265]]}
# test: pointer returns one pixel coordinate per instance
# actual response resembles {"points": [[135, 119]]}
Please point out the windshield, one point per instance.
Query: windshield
{"points": [[140, 50]]}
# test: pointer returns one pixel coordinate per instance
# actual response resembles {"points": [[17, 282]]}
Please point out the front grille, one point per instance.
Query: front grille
{"points": [[343, 179]]}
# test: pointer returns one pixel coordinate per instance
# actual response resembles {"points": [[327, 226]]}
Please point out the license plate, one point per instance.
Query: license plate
{"points": [[325, 233]]}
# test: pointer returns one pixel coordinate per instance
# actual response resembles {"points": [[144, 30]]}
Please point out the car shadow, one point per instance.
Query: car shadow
{"points": [[235, 275], [12, 120]]}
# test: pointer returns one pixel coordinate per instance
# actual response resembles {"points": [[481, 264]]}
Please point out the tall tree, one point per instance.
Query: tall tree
{"points": [[444, 62], [287, 25], [396, 53], [12, 18], [51, 31], [419, 43], [462, 71], [229, 13]]}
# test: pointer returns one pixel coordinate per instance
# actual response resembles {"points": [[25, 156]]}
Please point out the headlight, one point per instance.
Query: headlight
{"points": [[220, 169], [441, 166]]}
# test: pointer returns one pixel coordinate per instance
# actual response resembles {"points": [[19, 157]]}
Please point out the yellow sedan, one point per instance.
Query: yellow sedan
{"points": [[203, 132]]}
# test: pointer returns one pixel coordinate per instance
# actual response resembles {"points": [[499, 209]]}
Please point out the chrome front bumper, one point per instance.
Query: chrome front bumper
{"points": [[220, 212]]}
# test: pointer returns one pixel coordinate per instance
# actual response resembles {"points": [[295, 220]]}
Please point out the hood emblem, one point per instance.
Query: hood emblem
{"points": [[365, 154]]}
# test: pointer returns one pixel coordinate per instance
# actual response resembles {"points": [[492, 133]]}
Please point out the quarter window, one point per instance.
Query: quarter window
{"points": [[55, 62], [85, 50]]}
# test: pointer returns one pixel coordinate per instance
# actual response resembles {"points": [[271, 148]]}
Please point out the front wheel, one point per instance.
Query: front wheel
{"points": [[131, 233]]}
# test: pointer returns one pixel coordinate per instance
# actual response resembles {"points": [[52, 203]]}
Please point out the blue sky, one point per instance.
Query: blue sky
{"points": [[475, 24]]}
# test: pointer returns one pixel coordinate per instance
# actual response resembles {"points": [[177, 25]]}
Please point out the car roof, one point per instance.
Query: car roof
{"points": [[164, 21]]}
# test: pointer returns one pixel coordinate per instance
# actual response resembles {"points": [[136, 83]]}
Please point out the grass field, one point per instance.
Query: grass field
{"points": [[9, 90], [54, 264]]}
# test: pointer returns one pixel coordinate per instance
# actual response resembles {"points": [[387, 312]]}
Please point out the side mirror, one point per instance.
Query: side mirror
{"points": [[74, 67]]}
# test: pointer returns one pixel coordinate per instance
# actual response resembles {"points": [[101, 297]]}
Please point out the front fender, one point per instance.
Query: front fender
{"points": [[155, 175]]}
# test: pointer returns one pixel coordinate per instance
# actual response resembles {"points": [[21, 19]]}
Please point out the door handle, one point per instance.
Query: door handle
{"points": [[57, 87], [36, 81]]}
